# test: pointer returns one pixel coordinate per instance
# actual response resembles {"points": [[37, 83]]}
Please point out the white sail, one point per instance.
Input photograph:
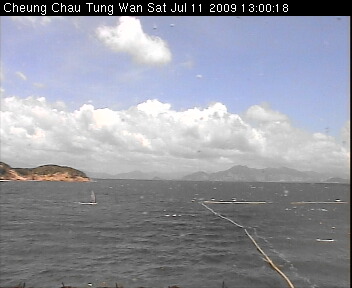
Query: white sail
{"points": [[93, 200], [92, 197]]}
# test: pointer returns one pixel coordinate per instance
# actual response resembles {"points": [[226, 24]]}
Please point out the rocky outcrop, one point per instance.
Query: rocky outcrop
{"points": [[42, 173]]}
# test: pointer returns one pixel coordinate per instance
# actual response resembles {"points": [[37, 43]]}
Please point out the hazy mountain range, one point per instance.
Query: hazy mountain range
{"points": [[235, 174]]}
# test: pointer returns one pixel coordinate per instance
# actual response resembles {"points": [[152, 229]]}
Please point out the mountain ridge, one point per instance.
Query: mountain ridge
{"points": [[241, 173], [237, 173]]}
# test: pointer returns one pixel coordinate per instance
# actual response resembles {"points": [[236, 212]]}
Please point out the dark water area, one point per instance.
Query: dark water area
{"points": [[157, 234]]}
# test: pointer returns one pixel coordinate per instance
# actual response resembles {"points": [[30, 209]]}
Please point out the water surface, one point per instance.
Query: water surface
{"points": [[156, 234]]}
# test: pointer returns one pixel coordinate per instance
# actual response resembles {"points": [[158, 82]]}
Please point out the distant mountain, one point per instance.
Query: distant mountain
{"points": [[42, 173], [236, 173], [246, 174], [137, 175], [129, 175], [197, 176], [337, 180], [100, 175], [134, 175]]}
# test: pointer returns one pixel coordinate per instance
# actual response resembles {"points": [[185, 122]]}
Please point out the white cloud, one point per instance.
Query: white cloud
{"points": [[38, 85], [128, 37], [262, 114], [36, 20], [21, 75], [153, 107], [153, 136]]}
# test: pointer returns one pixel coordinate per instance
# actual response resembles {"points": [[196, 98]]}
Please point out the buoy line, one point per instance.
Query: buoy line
{"points": [[223, 217], [267, 259], [236, 202], [319, 202]]}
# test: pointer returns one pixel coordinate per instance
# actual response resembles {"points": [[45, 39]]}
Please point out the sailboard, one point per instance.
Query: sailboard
{"points": [[93, 200]]}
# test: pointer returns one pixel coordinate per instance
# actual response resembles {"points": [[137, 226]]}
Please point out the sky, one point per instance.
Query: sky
{"points": [[176, 94]]}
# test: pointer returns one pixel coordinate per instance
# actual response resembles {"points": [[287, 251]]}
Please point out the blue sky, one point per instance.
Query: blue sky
{"points": [[254, 71]]}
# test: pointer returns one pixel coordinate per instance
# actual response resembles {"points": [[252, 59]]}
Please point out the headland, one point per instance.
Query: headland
{"points": [[42, 173]]}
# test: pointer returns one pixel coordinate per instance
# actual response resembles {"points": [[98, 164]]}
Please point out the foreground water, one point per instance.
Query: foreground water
{"points": [[156, 234]]}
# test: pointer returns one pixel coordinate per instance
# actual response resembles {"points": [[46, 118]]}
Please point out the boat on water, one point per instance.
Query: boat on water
{"points": [[93, 200]]}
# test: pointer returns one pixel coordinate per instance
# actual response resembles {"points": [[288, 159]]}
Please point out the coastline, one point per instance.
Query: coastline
{"points": [[55, 177], [46, 180]]}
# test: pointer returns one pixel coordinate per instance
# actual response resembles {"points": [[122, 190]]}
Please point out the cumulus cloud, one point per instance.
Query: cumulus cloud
{"points": [[128, 37], [153, 136], [264, 114]]}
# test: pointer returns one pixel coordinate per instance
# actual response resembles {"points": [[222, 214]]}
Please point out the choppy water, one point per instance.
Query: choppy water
{"points": [[156, 234]]}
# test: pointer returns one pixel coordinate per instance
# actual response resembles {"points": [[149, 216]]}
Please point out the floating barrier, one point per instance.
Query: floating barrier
{"points": [[319, 202], [89, 285], [236, 202], [325, 240], [267, 259], [265, 202], [223, 217]]}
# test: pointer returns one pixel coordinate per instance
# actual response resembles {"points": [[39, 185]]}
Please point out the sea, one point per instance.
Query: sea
{"points": [[156, 233]]}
